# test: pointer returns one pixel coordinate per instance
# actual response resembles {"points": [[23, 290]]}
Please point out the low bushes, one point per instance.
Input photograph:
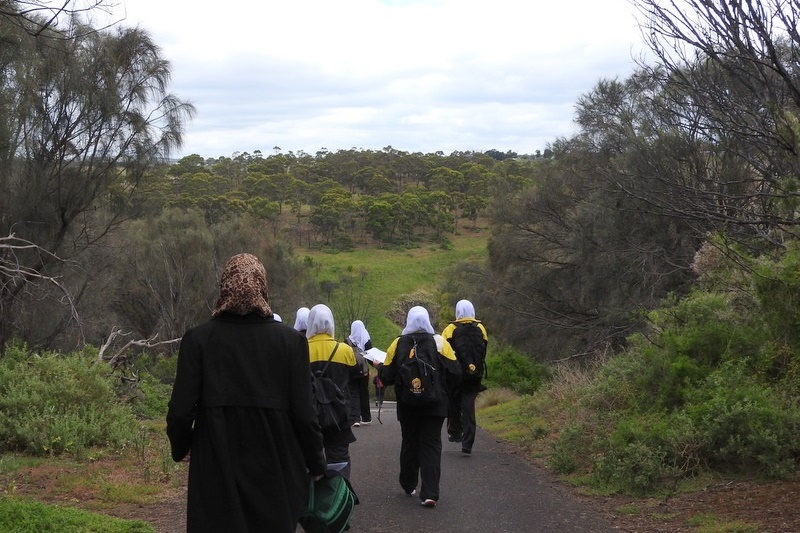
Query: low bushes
{"points": [[710, 388], [53, 404]]}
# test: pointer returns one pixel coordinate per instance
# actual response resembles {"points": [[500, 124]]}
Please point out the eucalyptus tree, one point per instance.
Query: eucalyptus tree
{"points": [[83, 115], [381, 217]]}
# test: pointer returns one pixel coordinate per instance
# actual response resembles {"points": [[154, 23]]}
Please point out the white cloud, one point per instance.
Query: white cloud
{"points": [[419, 75]]}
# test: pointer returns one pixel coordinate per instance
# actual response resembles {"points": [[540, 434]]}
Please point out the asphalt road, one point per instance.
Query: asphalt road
{"points": [[490, 491]]}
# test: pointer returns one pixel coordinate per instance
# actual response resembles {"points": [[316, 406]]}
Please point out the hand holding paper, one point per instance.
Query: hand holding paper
{"points": [[375, 355]]}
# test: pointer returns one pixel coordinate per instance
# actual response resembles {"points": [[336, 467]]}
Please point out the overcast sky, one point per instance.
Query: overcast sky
{"points": [[419, 75]]}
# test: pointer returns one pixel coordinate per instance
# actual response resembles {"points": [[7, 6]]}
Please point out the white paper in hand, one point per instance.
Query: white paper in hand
{"points": [[375, 355]]}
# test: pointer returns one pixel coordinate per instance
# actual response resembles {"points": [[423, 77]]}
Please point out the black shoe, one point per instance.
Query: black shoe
{"points": [[464, 450]]}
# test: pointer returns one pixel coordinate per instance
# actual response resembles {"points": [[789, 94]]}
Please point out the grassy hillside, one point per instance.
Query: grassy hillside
{"points": [[390, 274]]}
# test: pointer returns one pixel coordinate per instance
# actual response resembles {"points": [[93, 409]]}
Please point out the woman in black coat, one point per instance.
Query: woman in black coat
{"points": [[241, 408]]}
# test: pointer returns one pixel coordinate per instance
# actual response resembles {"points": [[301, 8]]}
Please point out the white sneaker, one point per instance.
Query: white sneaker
{"points": [[357, 424]]}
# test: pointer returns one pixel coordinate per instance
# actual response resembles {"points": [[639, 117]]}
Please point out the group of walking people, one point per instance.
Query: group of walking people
{"points": [[242, 409]]}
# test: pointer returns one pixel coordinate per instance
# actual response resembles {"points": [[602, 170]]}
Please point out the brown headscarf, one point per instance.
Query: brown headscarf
{"points": [[243, 287]]}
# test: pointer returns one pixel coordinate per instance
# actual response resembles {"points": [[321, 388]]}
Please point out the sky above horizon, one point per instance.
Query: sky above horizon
{"points": [[417, 75]]}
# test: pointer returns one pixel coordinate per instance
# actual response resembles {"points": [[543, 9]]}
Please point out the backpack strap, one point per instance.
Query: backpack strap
{"points": [[330, 357]]}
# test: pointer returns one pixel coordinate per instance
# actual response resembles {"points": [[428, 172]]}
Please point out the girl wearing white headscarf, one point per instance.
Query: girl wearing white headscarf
{"points": [[342, 369], [461, 424], [359, 388], [421, 426], [301, 320]]}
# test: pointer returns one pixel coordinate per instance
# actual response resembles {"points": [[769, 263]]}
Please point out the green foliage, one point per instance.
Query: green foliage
{"points": [[509, 368], [569, 449], [747, 427], [20, 516], [777, 287], [706, 388], [54, 404], [643, 452], [709, 327], [154, 399]]}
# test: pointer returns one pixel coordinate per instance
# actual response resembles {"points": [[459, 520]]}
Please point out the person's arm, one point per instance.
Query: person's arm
{"points": [[302, 411], [386, 370], [447, 332], [483, 330], [185, 396], [450, 364]]}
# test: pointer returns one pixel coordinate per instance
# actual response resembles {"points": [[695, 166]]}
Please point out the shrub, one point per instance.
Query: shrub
{"points": [[641, 453], [569, 449], [615, 385], [747, 427], [709, 328], [154, 400], [51, 404], [509, 368]]}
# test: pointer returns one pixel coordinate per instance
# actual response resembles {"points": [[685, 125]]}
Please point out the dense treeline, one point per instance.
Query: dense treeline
{"points": [[345, 198]]}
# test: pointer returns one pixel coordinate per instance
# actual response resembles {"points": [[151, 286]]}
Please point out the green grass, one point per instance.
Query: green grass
{"points": [[709, 523], [21, 516], [391, 274]]}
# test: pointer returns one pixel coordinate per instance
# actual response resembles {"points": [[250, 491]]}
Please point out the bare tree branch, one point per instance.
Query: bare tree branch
{"points": [[15, 275], [142, 343], [37, 16]]}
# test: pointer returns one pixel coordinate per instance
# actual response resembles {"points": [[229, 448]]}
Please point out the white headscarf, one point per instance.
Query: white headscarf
{"points": [[464, 309], [418, 320], [359, 336], [320, 320], [301, 320]]}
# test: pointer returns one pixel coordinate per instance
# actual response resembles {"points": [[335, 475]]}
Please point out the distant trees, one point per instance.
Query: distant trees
{"points": [[340, 197]]}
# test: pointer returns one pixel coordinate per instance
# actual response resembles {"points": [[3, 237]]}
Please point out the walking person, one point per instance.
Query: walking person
{"points": [[337, 361], [468, 338], [359, 340], [301, 320], [418, 363], [241, 412]]}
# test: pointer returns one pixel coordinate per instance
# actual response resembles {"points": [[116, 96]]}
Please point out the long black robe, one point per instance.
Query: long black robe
{"points": [[242, 405]]}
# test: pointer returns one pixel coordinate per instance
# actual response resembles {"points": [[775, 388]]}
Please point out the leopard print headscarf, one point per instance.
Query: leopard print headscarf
{"points": [[243, 287]]}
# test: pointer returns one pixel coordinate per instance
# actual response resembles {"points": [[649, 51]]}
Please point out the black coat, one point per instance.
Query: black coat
{"points": [[242, 405]]}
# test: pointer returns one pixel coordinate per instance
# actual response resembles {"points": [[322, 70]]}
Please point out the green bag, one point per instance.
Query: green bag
{"points": [[331, 500]]}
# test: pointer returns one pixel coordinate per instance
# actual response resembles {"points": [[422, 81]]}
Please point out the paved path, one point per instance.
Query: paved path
{"points": [[490, 491]]}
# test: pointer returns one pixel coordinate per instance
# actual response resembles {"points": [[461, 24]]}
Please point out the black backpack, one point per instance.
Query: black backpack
{"points": [[332, 405], [470, 347], [419, 380]]}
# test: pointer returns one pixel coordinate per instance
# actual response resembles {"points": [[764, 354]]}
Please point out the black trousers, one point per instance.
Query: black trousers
{"points": [[461, 416], [421, 454], [339, 453], [363, 399]]}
